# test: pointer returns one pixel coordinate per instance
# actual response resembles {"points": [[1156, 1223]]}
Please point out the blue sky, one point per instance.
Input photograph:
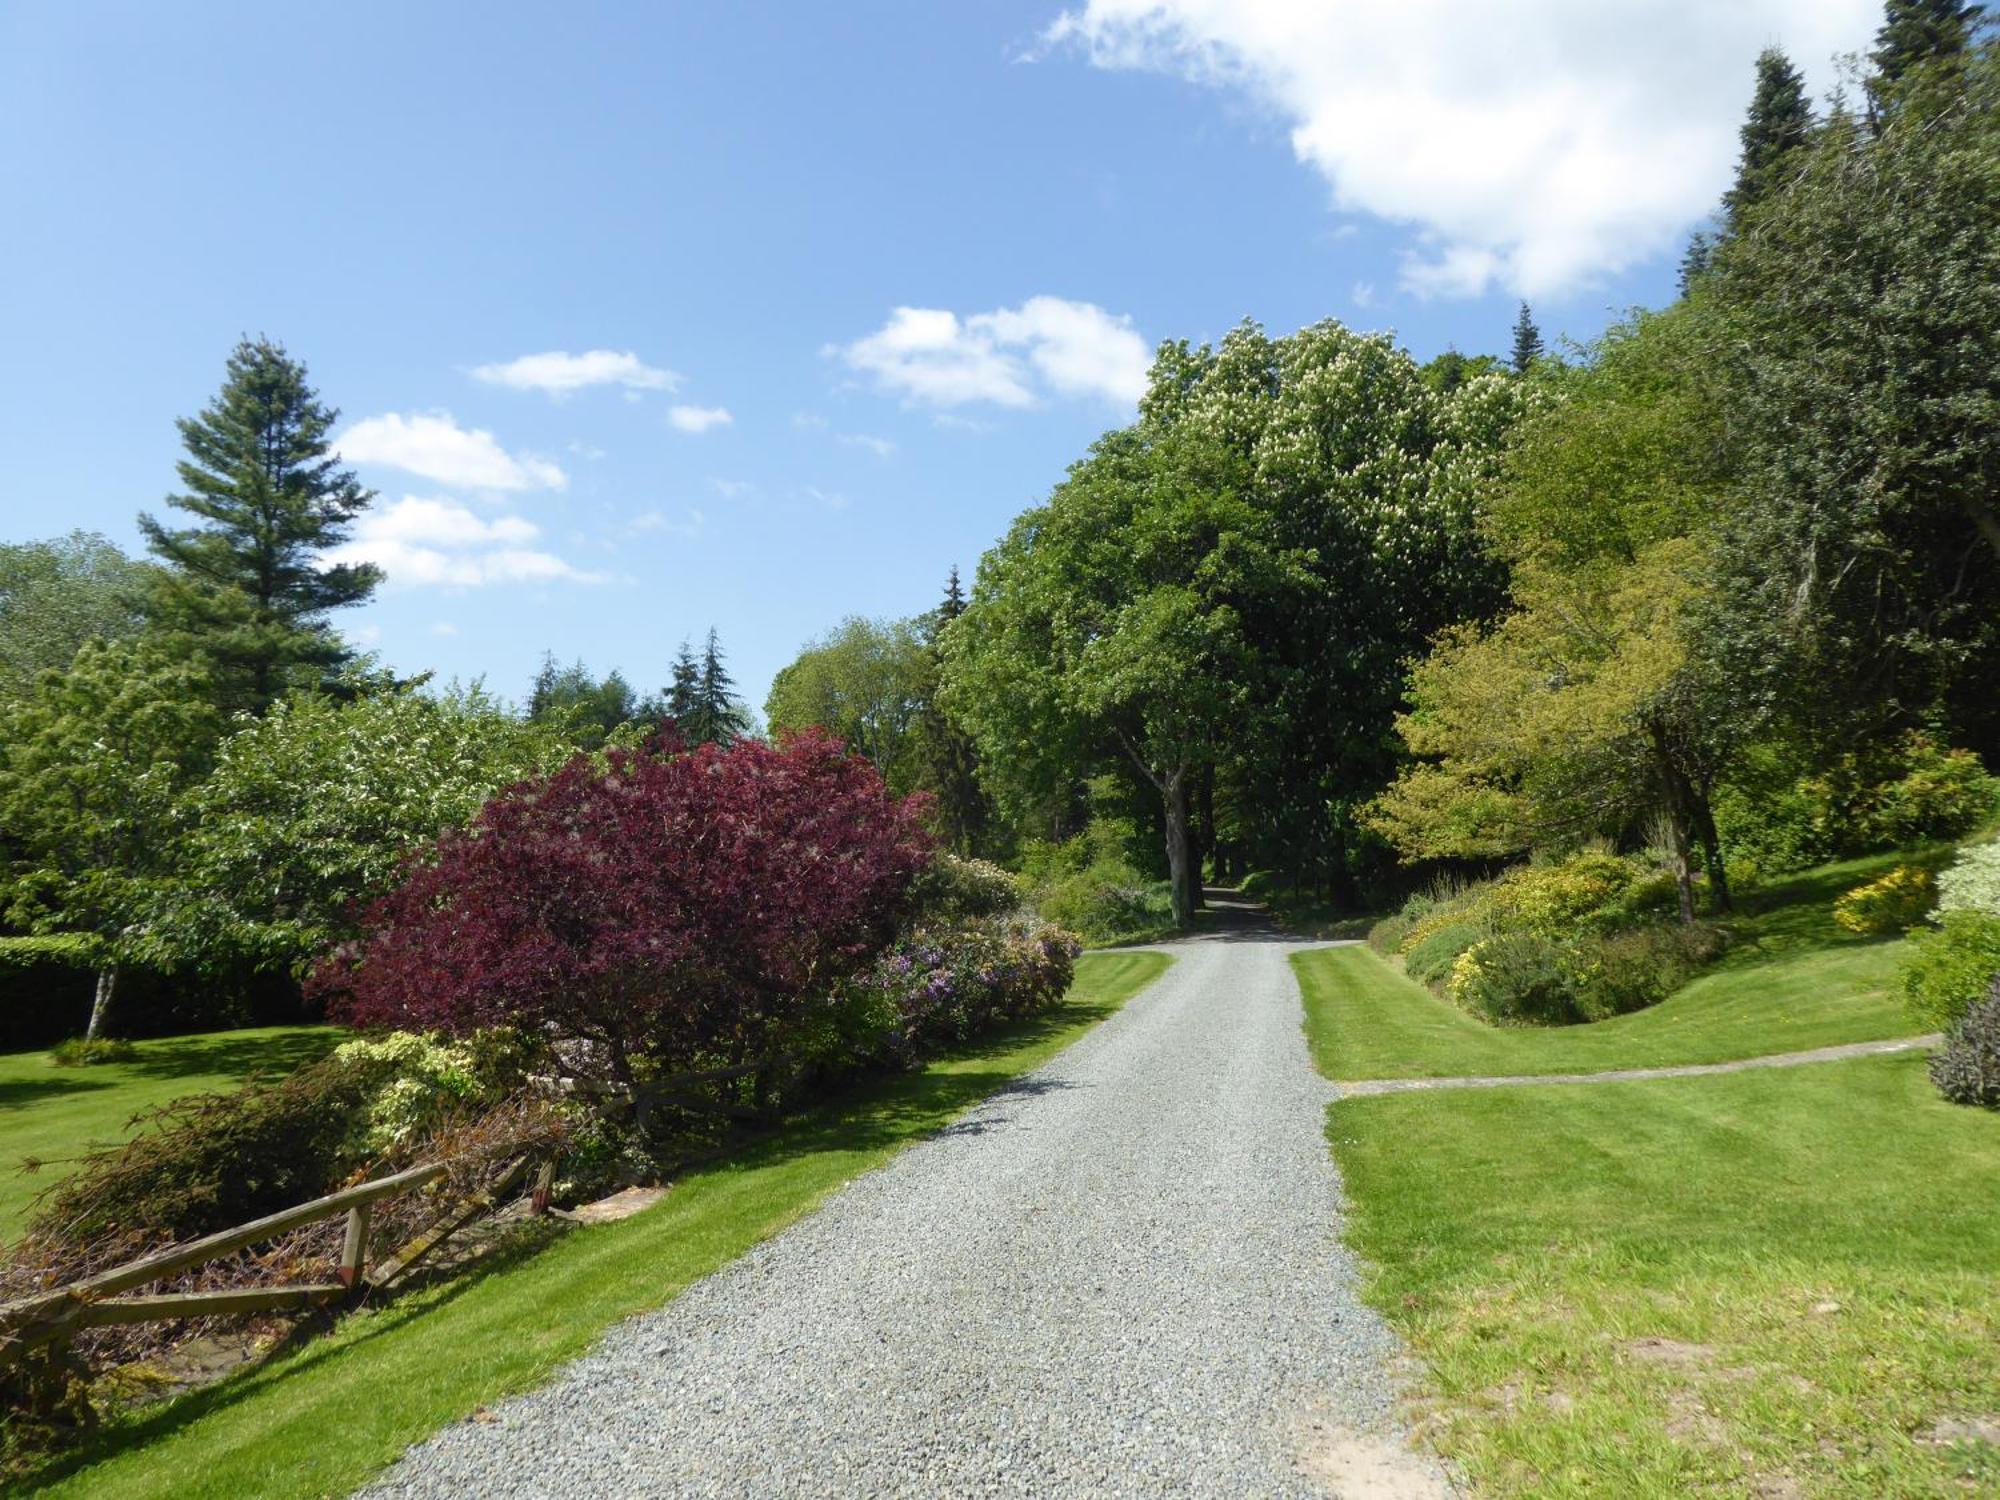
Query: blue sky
{"points": [[532, 252]]}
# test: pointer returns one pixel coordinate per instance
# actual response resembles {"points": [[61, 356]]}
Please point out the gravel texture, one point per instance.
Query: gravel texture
{"points": [[1121, 1276]]}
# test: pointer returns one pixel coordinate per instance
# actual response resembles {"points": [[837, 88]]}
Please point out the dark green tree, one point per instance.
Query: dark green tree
{"points": [[245, 585], [55, 595], [705, 698], [1778, 125], [591, 709], [1913, 35], [1527, 342], [949, 757]]}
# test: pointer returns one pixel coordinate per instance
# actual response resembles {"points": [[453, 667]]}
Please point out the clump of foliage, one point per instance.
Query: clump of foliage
{"points": [[1966, 1069], [84, 1052], [214, 1160], [1431, 957], [1090, 885], [1594, 940], [952, 888], [1517, 976], [1972, 882], [952, 983], [1950, 967], [1893, 904], [313, 809], [654, 911], [428, 1080]]}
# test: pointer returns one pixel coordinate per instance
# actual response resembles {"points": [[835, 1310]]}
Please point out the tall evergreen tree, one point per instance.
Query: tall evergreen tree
{"points": [[244, 585], [683, 685], [1913, 33], [950, 758], [1527, 342], [712, 716], [591, 709], [1778, 125]]}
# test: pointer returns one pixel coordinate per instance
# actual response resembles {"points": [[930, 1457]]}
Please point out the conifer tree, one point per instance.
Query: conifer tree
{"points": [[950, 759], [713, 716], [244, 585], [1778, 124], [682, 685], [1527, 342], [1913, 33]]}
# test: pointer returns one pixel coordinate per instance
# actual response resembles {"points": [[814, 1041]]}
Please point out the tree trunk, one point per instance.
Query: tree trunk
{"points": [[1180, 854], [1678, 798], [1719, 898], [107, 981], [1205, 825]]}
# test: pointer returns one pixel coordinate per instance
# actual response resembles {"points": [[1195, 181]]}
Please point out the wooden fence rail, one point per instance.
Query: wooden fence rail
{"points": [[91, 1302]]}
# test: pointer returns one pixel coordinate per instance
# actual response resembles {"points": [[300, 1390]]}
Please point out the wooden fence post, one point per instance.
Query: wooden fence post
{"points": [[354, 1249], [545, 1181]]}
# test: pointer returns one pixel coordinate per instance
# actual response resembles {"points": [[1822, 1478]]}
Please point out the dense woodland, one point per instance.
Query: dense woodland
{"points": [[1323, 617]]}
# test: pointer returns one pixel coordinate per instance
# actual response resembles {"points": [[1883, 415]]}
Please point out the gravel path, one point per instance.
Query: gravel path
{"points": [[1364, 1087], [1120, 1277]]}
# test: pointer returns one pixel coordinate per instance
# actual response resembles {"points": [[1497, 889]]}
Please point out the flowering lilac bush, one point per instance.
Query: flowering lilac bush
{"points": [[944, 984]]}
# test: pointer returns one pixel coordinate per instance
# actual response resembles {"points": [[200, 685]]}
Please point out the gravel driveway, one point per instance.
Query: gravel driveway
{"points": [[1121, 1276]]}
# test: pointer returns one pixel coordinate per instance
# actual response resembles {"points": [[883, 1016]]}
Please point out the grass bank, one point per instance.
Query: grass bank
{"points": [[1773, 1284], [1770, 1284], [323, 1419], [56, 1114], [1792, 980]]}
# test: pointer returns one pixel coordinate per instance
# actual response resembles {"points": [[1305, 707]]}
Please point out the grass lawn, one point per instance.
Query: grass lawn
{"points": [[1792, 980], [1772, 1284], [323, 1419], [55, 1114]]}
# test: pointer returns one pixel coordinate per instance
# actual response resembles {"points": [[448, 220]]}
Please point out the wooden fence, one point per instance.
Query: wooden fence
{"points": [[94, 1301]]}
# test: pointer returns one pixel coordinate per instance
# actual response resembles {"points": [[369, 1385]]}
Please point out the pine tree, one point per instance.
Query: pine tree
{"points": [[1913, 33], [683, 685], [244, 586], [713, 716], [950, 760], [1527, 342], [1779, 123]]}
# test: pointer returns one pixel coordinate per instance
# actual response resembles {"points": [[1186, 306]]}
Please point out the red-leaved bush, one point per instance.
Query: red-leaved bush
{"points": [[669, 909]]}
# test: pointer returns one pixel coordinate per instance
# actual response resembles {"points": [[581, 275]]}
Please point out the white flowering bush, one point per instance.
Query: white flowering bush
{"points": [[422, 1079], [1972, 883]]}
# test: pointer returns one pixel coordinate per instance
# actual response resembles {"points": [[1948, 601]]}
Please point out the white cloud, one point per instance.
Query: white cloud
{"points": [[1008, 357], [1535, 145], [435, 447], [432, 542], [881, 447], [560, 374], [732, 489], [659, 520], [1364, 294], [808, 421], [444, 627], [699, 418], [831, 499]]}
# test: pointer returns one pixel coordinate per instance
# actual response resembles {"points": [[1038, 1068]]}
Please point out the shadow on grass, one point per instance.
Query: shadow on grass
{"points": [[303, 1348], [227, 1052], [18, 1093]]}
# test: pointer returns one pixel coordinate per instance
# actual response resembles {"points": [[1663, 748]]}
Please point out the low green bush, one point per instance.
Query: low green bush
{"points": [[1889, 906], [1624, 971], [1431, 958], [1517, 976], [1387, 935], [79, 1052], [950, 889], [1105, 906], [1950, 967], [1966, 1069]]}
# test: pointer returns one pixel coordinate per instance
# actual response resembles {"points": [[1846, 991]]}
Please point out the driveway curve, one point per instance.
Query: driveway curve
{"points": [[1121, 1276]]}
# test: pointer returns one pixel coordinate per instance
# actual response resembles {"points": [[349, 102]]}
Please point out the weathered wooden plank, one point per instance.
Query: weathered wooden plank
{"points": [[453, 1221], [354, 1247], [211, 1247], [208, 1304]]}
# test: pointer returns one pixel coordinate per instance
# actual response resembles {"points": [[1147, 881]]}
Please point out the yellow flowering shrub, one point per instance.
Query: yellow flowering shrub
{"points": [[1893, 904]]}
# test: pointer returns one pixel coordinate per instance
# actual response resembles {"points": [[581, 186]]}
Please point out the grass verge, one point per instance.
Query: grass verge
{"points": [[1773, 1284], [55, 1114], [321, 1420], [1793, 980]]}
